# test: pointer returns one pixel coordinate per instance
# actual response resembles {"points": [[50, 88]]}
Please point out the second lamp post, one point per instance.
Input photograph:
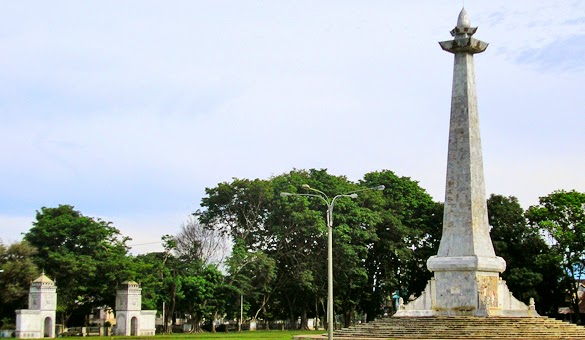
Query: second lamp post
{"points": [[330, 203]]}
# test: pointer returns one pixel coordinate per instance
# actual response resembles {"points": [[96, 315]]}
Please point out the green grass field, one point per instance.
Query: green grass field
{"points": [[271, 335]]}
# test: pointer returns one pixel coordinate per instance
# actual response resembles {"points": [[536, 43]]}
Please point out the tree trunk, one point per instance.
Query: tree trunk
{"points": [[266, 324], [304, 321], [316, 324], [371, 309], [63, 320], [576, 300], [347, 317], [576, 311], [290, 310], [325, 321], [213, 318], [196, 326], [172, 308]]}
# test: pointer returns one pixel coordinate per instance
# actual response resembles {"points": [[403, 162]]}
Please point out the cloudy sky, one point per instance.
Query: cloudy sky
{"points": [[128, 110]]}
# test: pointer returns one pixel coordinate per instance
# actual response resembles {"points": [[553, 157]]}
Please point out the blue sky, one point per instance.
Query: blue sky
{"points": [[129, 110]]}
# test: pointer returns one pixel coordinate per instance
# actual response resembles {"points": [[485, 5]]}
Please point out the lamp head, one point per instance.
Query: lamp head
{"points": [[354, 195], [306, 186], [380, 187], [284, 194]]}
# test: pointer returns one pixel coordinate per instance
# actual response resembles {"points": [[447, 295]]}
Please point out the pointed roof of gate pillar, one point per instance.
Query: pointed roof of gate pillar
{"points": [[43, 280]]}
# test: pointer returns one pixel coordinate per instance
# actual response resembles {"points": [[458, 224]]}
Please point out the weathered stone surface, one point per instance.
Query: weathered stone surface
{"points": [[460, 263], [458, 327], [466, 269]]}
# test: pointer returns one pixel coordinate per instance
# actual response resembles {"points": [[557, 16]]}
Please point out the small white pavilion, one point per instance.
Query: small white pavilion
{"points": [[39, 320], [130, 319]]}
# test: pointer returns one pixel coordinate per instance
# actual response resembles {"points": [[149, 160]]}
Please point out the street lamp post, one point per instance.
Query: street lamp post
{"points": [[329, 217]]}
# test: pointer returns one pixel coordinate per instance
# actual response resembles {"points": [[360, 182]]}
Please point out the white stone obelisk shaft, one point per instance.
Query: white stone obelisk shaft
{"points": [[466, 241], [465, 221]]}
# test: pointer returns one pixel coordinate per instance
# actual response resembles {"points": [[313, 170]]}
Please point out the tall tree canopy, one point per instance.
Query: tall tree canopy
{"points": [[185, 279], [278, 260], [561, 216], [530, 270], [407, 235], [18, 270], [85, 256], [378, 239]]}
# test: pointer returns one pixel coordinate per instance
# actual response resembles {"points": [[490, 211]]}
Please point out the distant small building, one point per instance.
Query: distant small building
{"points": [[39, 320], [581, 294], [130, 319], [102, 316]]}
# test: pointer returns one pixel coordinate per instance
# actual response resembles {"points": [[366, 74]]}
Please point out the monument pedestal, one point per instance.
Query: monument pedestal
{"points": [[466, 294]]}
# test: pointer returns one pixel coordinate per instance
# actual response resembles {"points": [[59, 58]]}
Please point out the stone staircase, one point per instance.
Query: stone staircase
{"points": [[460, 327]]}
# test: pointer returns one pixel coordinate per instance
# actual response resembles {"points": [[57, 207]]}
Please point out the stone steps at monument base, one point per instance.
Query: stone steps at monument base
{"points": [[465, 328]]}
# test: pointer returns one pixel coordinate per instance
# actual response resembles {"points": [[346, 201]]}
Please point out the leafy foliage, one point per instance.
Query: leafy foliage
{"points": [[377, 239], [561, 216], [18, 270], [408, 233], [86, 257], [528, 273], [278, 260]]}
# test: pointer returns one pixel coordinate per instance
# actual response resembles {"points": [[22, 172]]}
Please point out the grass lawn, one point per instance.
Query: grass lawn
{"points": [[272, 335]]}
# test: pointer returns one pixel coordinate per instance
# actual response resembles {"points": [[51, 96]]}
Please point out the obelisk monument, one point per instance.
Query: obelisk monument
{"points": [[466, 269]]}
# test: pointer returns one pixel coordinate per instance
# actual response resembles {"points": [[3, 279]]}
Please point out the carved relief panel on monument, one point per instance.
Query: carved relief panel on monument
{"points": [[488, 290]]}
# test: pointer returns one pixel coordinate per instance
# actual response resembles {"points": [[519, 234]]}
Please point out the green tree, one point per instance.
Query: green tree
{"points": [[251, 275], [199, 250], [18, 270], [299, 246], [161, 277], [528, 270], [239, 208], [85, 256], [407, 234], [261, 223], [561, 216], [199, 284], [379, 240], [181, 279], [353, 233], [300, 222], [172, 279], [150, 271]]}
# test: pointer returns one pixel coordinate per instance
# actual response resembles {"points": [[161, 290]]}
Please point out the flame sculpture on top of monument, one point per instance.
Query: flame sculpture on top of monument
{"points": [[466, 269]]}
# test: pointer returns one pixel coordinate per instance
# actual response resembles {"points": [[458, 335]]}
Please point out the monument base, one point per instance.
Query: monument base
{"points": [[466, 293]]}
